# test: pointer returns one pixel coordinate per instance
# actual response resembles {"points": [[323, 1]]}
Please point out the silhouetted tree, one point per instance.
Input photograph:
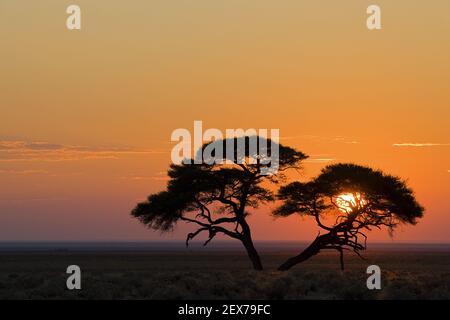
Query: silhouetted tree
{"points": [[359, 197], [216, 197]]}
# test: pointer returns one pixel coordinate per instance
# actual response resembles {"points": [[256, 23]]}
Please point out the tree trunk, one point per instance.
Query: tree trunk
{"points": [[310, 251], [252, 253], [326, 241], [246, 235]]}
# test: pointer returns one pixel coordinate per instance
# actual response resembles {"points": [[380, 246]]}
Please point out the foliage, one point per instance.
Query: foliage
{"points": [[216, 196], [360, 197]]}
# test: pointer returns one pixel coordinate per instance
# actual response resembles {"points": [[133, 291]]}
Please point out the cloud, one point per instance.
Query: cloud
{"points": [[159, 176], [135, 178], [339, 139], [319, 160], [23, 199], [15, 151], [420, 145], [346, 140], [23, 172], [43, 146]]}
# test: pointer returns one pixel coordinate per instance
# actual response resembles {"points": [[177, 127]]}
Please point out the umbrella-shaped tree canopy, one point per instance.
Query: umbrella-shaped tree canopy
{"points": [[216, 195], [359, 197]]}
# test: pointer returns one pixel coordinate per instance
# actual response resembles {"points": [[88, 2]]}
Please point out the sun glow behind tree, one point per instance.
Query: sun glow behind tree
{"points": [[350, 201]]}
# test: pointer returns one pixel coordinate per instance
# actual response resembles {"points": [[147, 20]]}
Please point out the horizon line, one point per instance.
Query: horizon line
{"points": [[175, 241]]}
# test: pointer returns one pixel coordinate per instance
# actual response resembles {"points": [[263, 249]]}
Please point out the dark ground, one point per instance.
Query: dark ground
{"points": [[223, 274]]}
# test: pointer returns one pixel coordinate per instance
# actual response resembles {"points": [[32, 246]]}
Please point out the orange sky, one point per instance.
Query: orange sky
{"points": [[86, 116]]}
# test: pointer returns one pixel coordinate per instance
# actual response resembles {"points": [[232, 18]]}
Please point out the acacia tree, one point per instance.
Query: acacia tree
{"points": [[216, 197], [357, 198]]}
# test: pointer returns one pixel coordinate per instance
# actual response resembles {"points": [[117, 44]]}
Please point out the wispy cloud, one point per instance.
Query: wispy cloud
{"points": [[159, 176], [22, 172], [420, 145], [320, 160], [15, 151], [346, 140], [33, 199], [338, 139]]}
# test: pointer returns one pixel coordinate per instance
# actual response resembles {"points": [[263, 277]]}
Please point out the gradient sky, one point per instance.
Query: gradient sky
{"points": [[86, 116]]}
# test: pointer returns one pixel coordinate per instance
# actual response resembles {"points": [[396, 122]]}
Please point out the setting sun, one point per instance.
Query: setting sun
{"points": [[347, 202]]}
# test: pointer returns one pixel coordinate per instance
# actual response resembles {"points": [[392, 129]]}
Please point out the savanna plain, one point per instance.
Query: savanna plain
{"points": [[421, 272]]}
